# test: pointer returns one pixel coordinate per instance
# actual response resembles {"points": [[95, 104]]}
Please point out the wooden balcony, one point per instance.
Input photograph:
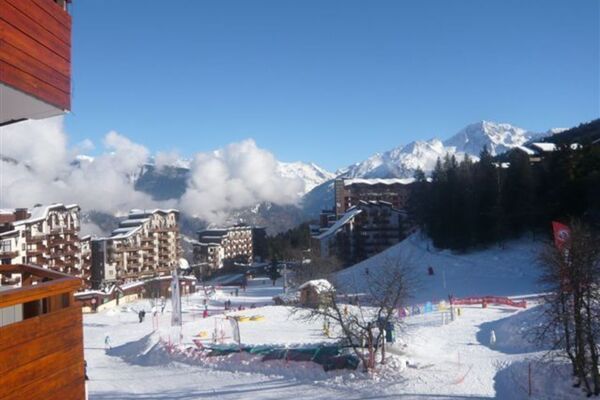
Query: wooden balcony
{"points": [[42, 336], [35, 238], [35, 61], [8, 254]]}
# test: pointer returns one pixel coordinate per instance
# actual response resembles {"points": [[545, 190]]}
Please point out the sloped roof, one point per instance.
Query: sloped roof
{"points": [[377, 181], [321, 285], [347, 217], [40, 213]]}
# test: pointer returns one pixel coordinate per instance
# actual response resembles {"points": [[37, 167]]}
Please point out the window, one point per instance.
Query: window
{"points": [[5, 246]]}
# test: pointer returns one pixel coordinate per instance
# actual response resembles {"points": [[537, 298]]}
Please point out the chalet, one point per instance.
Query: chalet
{"points": [[312, 292]]}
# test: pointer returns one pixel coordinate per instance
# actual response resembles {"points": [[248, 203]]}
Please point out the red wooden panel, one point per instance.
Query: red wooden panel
{"points": [[18, 334], [55, 11], [21, 21], [32, 47], [36, 13], [34, 67], [19, 379], [30, 351], [55, 385]]}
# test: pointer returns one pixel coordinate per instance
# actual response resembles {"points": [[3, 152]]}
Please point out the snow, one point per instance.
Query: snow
{"points": [[377, 181], [508, 271], [430, 359], [403, 161], [321, 285], [349, 215], [546, 147], [311, 174]]}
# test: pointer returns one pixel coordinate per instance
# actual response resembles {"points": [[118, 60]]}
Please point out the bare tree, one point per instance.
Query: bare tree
{"points": [[360, 308], [571, 320]]}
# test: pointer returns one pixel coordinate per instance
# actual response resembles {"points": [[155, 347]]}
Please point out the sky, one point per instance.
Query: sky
{"points": [[329, 82]]}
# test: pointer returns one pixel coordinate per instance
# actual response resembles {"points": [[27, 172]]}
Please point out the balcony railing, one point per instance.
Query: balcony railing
{"points": [[40, 326]]}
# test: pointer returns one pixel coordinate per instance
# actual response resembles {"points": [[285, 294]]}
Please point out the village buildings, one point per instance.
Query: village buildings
{"points": [[47, 236], [145, 245], [218, 248]]}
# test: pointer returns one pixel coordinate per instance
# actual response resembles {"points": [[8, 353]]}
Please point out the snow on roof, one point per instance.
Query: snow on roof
{"points": [[377, 181], [124, 232], [526, 150], [351, 213], [137, 211], [134, 221], [184, 264], [9, 233], [545, 146], [321, 285], [40, 213]]}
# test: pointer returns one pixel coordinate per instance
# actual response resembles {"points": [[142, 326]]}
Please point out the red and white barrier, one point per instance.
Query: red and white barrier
{"points": [[489, 300]]}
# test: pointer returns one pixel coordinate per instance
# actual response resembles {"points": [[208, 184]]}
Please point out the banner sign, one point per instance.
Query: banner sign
{"points": [[175, 300], [562, 233]]}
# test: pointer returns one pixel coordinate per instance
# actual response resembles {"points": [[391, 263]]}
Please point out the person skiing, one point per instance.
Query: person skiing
{"points": [[107, 342], [141, 315], [492, 338]]}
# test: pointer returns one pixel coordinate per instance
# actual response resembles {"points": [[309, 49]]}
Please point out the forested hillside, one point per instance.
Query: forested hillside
{"points": [[470, 204]]}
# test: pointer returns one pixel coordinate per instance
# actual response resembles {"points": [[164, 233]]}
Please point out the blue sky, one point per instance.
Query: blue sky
{"points": [[328, 81]]}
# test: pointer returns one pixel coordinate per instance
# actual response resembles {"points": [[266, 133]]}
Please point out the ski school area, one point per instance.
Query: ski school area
{"points": [[237, 344]]}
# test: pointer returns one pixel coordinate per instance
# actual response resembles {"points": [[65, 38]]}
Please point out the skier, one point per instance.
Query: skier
{"points": [[107, 342], [141, 315], [163, 304], [492, 338]]}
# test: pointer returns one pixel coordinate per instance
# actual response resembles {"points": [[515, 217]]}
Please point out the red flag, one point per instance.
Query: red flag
{"points": [[562, 233]]}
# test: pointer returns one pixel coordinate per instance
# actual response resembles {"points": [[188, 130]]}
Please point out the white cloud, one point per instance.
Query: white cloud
{"points": [[239, 175], [236, 176]]}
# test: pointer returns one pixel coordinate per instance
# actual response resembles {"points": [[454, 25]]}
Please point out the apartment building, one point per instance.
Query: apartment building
{"points": [[349, 192], [85, 260], [47, 236], [239, 244], [145, 245], [364, 230]]}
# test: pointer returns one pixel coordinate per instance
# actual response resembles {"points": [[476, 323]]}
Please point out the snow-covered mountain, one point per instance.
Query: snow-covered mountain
{"points": [[499, 138], [311, 174], [403, 161]]}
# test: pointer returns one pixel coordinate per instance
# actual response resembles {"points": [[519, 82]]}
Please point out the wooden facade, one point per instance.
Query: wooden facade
{"points": [[35, 50], [41, 349]]}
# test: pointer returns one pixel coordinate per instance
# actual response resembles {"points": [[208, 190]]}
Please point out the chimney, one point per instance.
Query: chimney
{"points": [[20, 214]]}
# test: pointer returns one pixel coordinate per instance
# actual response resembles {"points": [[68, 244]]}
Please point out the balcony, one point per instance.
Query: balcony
{"points": [[35, 238], [8, 254], [41, 326]]}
